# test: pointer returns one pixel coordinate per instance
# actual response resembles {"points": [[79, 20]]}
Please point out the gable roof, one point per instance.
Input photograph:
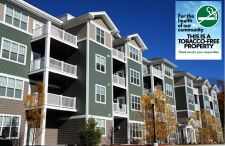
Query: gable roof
{"points": [[159, 60], [201, 82], [214, 87], [183, 73]]}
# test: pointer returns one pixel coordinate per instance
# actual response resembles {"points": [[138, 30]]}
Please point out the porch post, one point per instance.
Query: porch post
{"points": [[186, 133]]}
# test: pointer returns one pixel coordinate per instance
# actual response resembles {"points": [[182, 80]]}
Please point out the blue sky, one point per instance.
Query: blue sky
{"points": [[153, 20]]}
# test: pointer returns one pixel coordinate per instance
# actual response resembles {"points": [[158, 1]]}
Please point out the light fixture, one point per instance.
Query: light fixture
{"points": [[118, 127]]}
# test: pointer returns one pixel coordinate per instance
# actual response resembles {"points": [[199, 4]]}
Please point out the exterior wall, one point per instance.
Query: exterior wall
{"points": [[31, 24], [108, 138], [120, 135], [169, 81], [123, 45], [140, 58], [183, 114], [92, 31], [181, 103], [191, 106], [103, 79], [199, 89], [2, 7], [133, 42], [201, 101], [135, 140], [80, 31], [108, 40], [128, 53], [51, 136], [134, 89], [100, 22], [9, 67], [67, 133], [179, 81]]}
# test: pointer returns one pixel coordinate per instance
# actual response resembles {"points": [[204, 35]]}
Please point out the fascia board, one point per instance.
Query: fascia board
{"points": [[139, 40], [184, 74], [163, 60]]}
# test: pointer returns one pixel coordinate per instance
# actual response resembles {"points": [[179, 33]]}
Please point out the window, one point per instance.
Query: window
{"points": [[207, 104], [196, 99], [190, 97], [100, 35], [100, 94], [16, 18], [172, 132], [101, 125], [214, 95], [100, 63], [136, 130], [173, 111], [135, 77], [13, 51], [9, 126], [136, 102], [189, 82], [216, 108], [169, 90], [191, 114], [11, 87], [167, 70], [133, 53], [205, 90]]}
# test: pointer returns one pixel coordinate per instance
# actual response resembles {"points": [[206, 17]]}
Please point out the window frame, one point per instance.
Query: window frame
{"points": [[191, 116], [166, 66], [25, 54], [100, 35], [213, 94], [101, 126], [14, 89], [190, 99], [204, 87], [135, 77], [100, 63], [215, 107], [100, 93], [169, 91], [136, 55], [208, 105], [19, 125], [139, 124], [188, 82], [135, 102], [36, 22]]}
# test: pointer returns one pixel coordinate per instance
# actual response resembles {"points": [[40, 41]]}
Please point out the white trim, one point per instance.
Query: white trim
{"points": [[12, 76], [168, 76], [135, 102], [192, 99], [100, 93], [187, 101], [60, 108], [101, 126], [36, 22], [72, 117], [100, 63], [97, 25], [87, 71], [25, 55], [10, 115], [100, 117], [135, 47], [136, 77], [132, 121], [100, 44], [81, 39], [139, 130], [112, 92]]}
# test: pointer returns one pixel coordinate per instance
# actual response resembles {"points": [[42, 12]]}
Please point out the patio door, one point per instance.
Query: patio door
{"points": [[36, 62]]}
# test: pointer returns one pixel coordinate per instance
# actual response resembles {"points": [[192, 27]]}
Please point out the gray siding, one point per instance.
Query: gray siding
{"points": [[179, 81], [170, 82], [181, 103]]}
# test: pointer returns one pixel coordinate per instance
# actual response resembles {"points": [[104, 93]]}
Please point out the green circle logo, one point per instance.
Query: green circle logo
{"points": [[207, 16]]}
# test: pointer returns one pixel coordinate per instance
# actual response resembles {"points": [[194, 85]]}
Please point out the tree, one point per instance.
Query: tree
{"points": [[88, 134], [34, 105], [165, 119]]}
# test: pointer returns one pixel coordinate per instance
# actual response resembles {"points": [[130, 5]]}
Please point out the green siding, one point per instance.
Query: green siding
{"points": [[104, 79], [77, 88], [134, 89], [201, 101], [191, 106], [170, 82], [181, 103], [9, 67], [206, 98]]}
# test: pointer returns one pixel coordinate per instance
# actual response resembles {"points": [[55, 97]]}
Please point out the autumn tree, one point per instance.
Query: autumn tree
{"points": [[34, 105], [164, 116]]}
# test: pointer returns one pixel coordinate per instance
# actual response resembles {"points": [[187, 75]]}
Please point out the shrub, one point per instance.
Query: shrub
{"points": [[215, 142], [195, 143], [89, 135]]}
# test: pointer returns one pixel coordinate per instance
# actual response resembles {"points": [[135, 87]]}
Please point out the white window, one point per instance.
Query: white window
{"points": [[100, 35], [135, 102], [100, 94], [189, 82], [190, 97], [9, 126], [136, 130], [216, 108], [134, 77], [214, 95], [167, 70], [169, 90], [207, 104], [205, 91], [100, 63], [13, 51], [133, 53], [11, 87], [16, 18], [101, 126], [191, 114]]}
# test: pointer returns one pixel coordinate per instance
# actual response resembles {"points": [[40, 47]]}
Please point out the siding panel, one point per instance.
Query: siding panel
{"points": [[178, 81], [108, 39], [31, 23], [169, 81], [92, 31], [120, 135], [100, 22], [108, 138], [181, 103], [80, 31], [133, 42], [51, 136], [2, 7]]}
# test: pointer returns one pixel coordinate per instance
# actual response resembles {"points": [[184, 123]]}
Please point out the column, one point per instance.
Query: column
{"points": [[152, 78], [186, 135]]}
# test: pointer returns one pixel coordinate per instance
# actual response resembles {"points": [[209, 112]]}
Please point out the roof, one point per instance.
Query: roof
{"points": [[154, 59], [159, 60], [183, 73], [202, 81], [214, 87]]}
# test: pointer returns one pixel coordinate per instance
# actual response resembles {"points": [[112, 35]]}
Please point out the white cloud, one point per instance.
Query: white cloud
{"points": [[194, 25]]}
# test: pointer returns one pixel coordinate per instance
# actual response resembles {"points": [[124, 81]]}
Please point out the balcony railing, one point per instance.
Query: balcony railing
{"points": [[147, 91], [117, 54], [119, 80], [195, 90], [197, 107], [56, 32], [61, 101], [54, 64], [157, 72], [146, 71], [119, 108]]}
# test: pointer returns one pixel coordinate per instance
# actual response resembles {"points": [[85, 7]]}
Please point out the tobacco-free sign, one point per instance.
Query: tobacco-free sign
{"points": [[207, 16]]}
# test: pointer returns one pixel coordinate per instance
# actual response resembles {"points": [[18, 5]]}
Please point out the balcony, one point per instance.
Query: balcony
{"points": [[55, 66], [118, 55], [155, 72], [119, 108], [195, 90], [119, 81], [60, 102], [146, 71], [148, 91], [197, 107]]}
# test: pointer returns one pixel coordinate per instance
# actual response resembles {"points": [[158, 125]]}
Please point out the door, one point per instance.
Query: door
{"points": [[36, 62], [29, 136], [121, 101]]}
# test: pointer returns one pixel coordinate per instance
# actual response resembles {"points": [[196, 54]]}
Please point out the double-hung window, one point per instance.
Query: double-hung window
{"points": [[11, 87], [136, 130], [214, 95], [136, 102], [133, 53], [101, 125], [167, 70], [135, 77], [100, 63], [100, 94], [173, 111], [191, 114], [100, 35], [205, 91], [207, 104], [189, 82], [216, 108], [13, 51], [9, 126], [169, 90], [16, 18], [190, 97]]}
